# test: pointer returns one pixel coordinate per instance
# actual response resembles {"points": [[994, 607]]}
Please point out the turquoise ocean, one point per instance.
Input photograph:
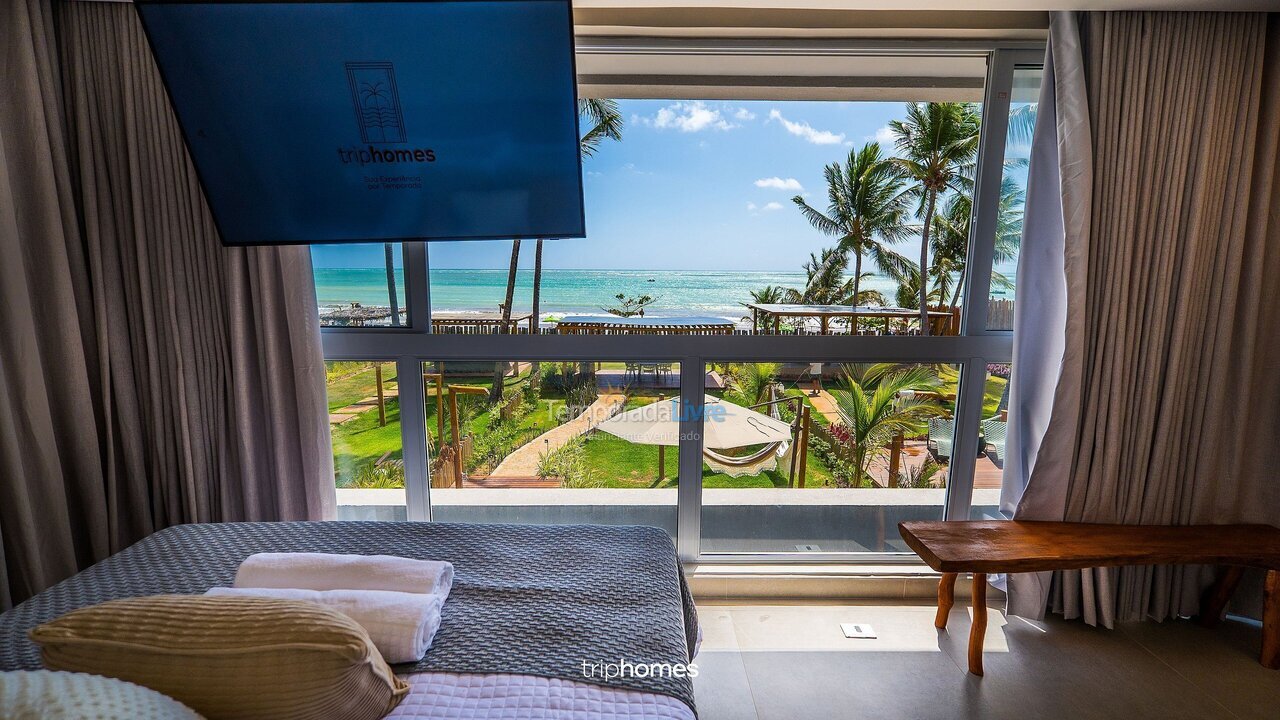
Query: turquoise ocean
{"points": [[567, 292]]}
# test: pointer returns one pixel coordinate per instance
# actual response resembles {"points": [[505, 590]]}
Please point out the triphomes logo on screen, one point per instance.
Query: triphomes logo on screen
{"points": [[376, 101]]}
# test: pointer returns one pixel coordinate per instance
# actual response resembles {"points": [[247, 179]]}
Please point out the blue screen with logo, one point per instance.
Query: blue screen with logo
{"points": [[317, 122]]}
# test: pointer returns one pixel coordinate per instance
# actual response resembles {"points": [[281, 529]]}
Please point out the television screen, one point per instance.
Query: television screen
{"points": [[335, 122]]}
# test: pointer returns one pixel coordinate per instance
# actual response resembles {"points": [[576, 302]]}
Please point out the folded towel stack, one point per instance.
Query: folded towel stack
{"points": [[323, 571], [396, 600]]}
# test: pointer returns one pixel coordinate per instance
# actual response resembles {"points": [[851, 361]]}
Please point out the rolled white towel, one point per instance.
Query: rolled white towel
{"points": [[401, 625], [323, 571]]}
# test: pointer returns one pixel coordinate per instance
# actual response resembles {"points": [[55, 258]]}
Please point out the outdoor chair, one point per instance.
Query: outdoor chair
{"points": [[632, 369], [940, 433], [994, 431], [664, 369]]}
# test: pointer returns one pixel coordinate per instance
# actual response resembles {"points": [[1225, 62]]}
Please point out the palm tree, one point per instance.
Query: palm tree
{"points": [[391, 284], [605, 120], [499, 369], [535, 374], [774, 295], [826, 283], [751, 381], [866, 206], [950, 239], [874, 414], [936, 143]]}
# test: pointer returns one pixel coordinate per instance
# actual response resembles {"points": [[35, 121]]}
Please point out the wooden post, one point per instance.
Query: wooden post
{"points": [[755, 321], [895, 459], [382, 403], [825, 328], [795, 441], [456, 444], [978, 632], [662, 452], [438, 380], [454, 392], [804, 446]]}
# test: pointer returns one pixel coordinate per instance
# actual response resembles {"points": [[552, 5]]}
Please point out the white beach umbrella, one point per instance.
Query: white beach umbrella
{"points": [[726, 425]]}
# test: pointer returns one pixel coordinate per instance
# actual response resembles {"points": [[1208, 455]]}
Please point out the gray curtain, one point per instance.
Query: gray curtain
{"points": [[149, 375], [1148, 379]]}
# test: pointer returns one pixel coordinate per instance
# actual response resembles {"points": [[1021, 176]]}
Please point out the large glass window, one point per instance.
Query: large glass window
{"points": [[756, 249]]}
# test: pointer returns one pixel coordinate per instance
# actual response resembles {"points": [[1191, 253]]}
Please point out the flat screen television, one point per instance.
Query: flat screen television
{"points": [[348, 122]]}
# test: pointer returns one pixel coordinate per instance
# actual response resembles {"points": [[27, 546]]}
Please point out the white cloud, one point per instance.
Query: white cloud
{"points": [[808, 132], [743, 114], [755, 209], [688, 117], [884, 136], [778, 183]]}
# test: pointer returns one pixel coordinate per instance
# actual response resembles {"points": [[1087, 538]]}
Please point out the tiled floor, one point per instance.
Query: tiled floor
{"points": [[791, 662]]}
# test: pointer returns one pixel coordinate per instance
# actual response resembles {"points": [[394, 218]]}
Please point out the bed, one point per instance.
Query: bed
{"points": [[530, 605]]}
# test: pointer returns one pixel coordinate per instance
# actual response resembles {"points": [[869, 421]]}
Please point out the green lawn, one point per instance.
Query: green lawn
{"points": [[627, 465], [355, 386], [360, 441]]}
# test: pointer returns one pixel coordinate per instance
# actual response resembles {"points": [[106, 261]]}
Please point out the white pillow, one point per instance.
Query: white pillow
{"points": [[39, 694]]}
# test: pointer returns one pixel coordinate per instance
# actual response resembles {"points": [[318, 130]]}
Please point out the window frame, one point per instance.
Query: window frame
{"points": [[973, 349]]}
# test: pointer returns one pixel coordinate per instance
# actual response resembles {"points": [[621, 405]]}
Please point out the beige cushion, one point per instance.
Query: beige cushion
{"points": [[229, 657], [47, 695]]}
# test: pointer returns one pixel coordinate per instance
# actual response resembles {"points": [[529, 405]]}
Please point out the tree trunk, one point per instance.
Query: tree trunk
{"points": [[955, 297], [924, 264], [857, 283], [391, 284], [499, 368], [535, 374]]}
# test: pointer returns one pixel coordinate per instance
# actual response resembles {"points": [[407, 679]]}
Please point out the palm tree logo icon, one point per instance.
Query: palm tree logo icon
{"points": [[377, 102]]}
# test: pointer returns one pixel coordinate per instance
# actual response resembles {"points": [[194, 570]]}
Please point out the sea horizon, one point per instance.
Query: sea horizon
{"points": [[711, 293]]}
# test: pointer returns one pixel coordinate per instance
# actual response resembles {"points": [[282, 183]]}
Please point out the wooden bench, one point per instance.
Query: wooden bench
{"points": [[982, 547]]}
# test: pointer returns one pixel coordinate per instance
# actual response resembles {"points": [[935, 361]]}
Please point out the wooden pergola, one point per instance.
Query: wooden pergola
{"points": [[481, 323], [766, 315], [595, 325]]}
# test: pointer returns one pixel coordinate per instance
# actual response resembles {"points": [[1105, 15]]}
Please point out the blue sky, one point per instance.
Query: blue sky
{"points": [[694, 185]]}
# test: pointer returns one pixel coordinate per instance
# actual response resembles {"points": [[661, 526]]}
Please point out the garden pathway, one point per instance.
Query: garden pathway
{"points": [[825, 403], [523, 462], [343, 414]]}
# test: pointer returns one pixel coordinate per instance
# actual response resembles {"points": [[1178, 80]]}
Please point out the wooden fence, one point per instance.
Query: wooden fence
{"points": [[1000, 315]]}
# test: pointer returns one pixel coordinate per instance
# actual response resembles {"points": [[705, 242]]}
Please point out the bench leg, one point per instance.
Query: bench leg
{"points": [[1271, 622], [946, 599], [979, 629], [1215, 599]]}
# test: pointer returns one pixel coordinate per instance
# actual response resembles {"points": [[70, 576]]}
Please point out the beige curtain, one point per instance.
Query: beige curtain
{"points": [[1168, 402], [164, 379]]}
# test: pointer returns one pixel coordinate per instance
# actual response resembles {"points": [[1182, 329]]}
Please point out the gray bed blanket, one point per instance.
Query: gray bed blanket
{"points": [[528, 599]]}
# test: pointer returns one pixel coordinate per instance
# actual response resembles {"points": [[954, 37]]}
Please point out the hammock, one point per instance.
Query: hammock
{"points": [[765, 459], [762, 460]]}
